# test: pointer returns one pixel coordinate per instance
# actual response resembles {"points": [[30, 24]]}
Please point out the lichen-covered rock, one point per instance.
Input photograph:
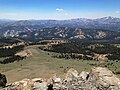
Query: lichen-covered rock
{"points": [[24, 84], [103, 79], [72, 73], [28, 84], [39, 84]]}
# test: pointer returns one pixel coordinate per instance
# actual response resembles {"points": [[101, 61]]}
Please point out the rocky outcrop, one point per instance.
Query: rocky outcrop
{"points": [[3, 80], [103, 79], [97, 79], [24, 53]]}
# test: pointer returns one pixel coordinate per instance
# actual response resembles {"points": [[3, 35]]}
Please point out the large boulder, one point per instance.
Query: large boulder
{"points": [[3, 80], [103, 79], [71, 74]]}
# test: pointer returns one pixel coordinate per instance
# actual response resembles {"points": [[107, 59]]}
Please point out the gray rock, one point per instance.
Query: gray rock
{"points": [[40, 86], [72, 73], [56, 79], [103, 79], [84, 75]]}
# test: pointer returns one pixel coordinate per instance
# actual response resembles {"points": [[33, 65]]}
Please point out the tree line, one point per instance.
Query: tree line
{"points": [[6, 52], [88, 51]]}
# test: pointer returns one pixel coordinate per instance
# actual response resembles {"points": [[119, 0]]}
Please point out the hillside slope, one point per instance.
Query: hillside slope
{"points": [[31, 33]]}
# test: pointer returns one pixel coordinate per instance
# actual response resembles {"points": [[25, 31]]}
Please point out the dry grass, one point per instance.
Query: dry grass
{"points": [[40, 64]]}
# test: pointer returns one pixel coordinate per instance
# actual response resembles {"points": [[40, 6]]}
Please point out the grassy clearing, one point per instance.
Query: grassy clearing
{"points": [[42, 65]]}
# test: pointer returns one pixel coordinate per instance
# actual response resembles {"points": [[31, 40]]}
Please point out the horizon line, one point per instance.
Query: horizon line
{"points": [[58, 19]]}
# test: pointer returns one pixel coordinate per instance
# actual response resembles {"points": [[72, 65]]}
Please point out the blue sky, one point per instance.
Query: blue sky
{"points": [[58, 9]]}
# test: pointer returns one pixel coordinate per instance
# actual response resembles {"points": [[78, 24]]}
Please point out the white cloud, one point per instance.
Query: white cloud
{"points": [[117, 11], [59, 9]]}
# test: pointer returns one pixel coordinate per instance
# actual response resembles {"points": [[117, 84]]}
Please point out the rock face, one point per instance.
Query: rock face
{"points": [[71, 74], [97, 79], [3, 80], [103, 79]]}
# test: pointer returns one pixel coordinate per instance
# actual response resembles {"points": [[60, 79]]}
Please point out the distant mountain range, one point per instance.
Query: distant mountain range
{"points": [[3, 21], [82, 28], [106, 23]]}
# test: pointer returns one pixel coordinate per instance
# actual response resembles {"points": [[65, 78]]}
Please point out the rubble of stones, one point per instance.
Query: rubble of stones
{"points": [[97, 79]]}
